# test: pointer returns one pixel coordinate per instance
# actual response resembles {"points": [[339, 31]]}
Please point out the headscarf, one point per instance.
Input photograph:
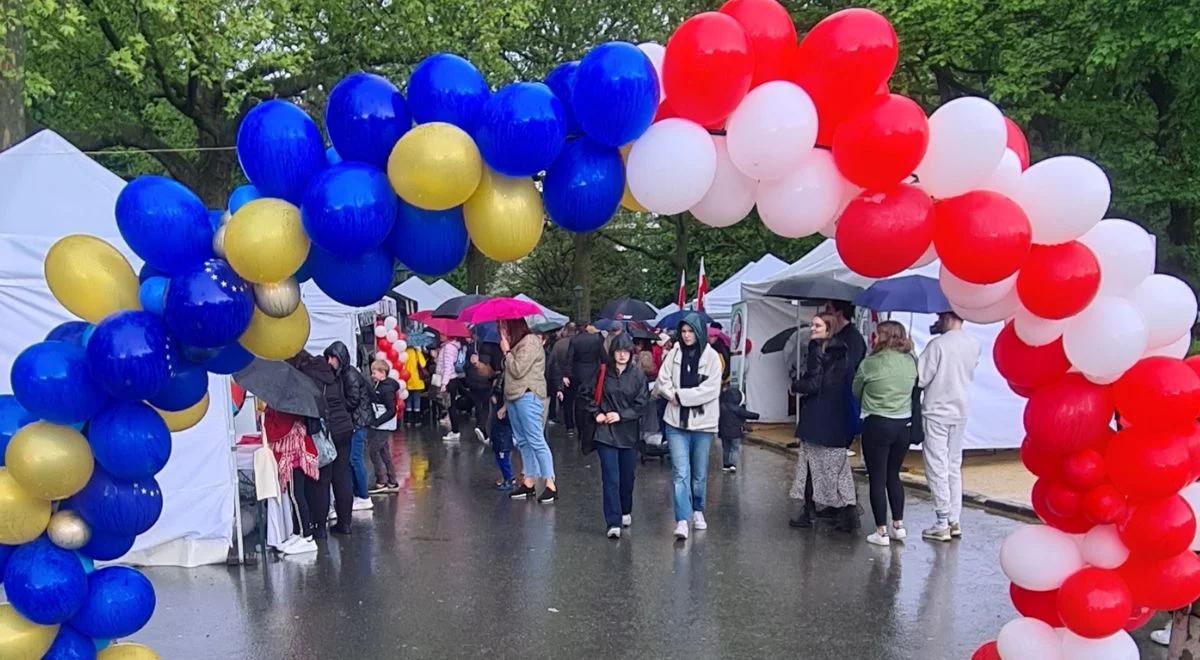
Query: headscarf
{"points": [[689, 365]]}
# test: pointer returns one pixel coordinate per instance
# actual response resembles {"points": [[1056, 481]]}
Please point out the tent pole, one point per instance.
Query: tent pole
{"points": [[237, 499]]}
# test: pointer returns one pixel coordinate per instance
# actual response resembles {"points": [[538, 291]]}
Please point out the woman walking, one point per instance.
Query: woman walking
{"points": [[444, 381], [617, 408], [884, 384], [823, 470], [690, 383], [480, 379], [525, 404]]}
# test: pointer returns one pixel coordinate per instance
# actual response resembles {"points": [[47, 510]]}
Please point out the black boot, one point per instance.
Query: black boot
{"points": [[847, 519], [804, 518]]}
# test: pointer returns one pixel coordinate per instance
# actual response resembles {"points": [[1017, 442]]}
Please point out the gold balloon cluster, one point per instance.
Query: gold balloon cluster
{"points": [[90, 277], [43, 463], [21, 639], [185, 419]]}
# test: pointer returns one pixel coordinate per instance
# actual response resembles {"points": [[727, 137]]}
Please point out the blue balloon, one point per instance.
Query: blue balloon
{"points": [[103, 546], [70, 644], [5, 552], [583, 188], [214, 218], [130, 440], [210, 306], [12, 418], [165, 223], [616, 93], [304, 274], [153, 294], [71, 332], [128, 355], [521, 129], [280, 149], [117, 507], [561, 81], [147, 271], [430, 243], [119, 602], [332, 156], [232, 359], [349, 209], [45, 583], [365, 116], [52, 381], [355, 281], [241, 196], [447, 88], [187, 386]]}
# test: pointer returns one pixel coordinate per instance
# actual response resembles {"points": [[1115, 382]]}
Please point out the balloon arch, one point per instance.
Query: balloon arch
{"points": [[732, 114]]}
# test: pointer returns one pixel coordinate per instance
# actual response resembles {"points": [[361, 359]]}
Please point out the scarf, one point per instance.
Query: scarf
{"points": [[689, 374]]}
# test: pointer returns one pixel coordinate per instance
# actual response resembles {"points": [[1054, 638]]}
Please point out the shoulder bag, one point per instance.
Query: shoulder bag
{"points": [[916, 425], [587, 424]]}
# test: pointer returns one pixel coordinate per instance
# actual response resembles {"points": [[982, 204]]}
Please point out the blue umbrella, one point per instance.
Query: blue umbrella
{"points": [[421, 339], [911, 293], [488, 333], [671, 321]]}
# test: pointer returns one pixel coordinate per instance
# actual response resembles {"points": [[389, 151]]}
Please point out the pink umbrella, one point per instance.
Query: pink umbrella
{"points": [[447, 327], [421, 316], [498, 309]]}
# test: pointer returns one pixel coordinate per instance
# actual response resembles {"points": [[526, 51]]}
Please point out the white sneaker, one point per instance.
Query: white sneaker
{"points": [[479, 434], [332, 514], [955, 530], [627, 520], [681, 530], [876, 539], [897, 533], [290, 540], [614, 532], [1162, 636], [698, 521], [452, 437], [301, 547], [363, 504]]}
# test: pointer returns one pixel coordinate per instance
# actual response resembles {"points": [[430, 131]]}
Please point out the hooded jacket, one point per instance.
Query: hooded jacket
{"points": [[332, 402], [704, 413], [354, 385], [624, 393], [384, 394]]}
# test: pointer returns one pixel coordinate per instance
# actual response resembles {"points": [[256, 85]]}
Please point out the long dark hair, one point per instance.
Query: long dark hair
{"points": [[517, 330]]}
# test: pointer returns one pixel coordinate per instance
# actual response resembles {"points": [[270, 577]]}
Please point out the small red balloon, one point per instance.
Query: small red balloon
{"points": [[1140, 617], [881, 234], [1039, 461], [1163, 584], [1159, 528], [1084, 469], [1025, 366], [981, 236], [665, 111], [1040, 496], [1095, 602], [1041, 605], [1105, 505], [988, 651], [1019, 390], [1147, 463], [1058, 281], [1158, 391], [1063, 501], [1017, 142], [772, 36], [1194, 363], [1068, 414], [707, 67], [882, 142]]}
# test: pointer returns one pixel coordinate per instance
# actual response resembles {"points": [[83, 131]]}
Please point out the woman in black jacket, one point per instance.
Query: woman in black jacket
{"points": [[335, 416], [379, 441], [623, 397], [357, 390]]}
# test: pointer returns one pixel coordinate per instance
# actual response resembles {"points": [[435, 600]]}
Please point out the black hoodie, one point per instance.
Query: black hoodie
{"points": [[354, 385]]}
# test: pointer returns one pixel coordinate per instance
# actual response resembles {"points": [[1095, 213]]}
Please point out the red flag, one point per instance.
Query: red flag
{"points": [[701, 287], [681, 298]]}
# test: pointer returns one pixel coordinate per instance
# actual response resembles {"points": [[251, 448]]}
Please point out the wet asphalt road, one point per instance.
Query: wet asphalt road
{"points": [[450, 568]]}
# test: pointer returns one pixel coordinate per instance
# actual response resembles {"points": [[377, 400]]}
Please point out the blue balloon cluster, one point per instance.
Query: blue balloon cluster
{"points": [[119, 603], [52, 381], [187, 386], [583, 188], [430, 243], [349, 209], [127, 354], [615, 93], [208, 307], [280, 149], [165, 223], [365, 116], [355, 281], [130, 441], [45, 583], [447, 88], [561, 81], [119, 508], [521, 129]]}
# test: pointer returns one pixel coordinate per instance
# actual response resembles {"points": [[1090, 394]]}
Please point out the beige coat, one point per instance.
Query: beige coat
{"points": [[525, 369], [703, 399]]}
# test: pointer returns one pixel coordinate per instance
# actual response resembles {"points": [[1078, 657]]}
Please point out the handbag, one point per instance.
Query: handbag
{"points": [[916, 425], [587, 431], [266, 472], [326, 452], [436, 381], [379, 409]]}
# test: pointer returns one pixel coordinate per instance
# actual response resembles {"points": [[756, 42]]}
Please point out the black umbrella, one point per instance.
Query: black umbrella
{"points": [[818, 287], [640, 331], [628, 309], [779, 342], [281, 386], [455, 306]]}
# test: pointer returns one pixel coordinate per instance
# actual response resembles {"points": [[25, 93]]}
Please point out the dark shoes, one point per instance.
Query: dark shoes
{"points": [[803, 519], [319, 532], [522, 491], [340, 529], [847, 519], [793, 445], [548, 496]]}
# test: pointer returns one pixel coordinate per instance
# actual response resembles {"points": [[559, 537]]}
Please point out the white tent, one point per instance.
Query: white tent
{"points": [[426, 296], [719, 302], [329, 320], [49, 189], [445, 289], [550, 314], [995, 411]]}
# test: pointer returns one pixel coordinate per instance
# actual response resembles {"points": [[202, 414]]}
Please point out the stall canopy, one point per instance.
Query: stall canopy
{"points": [[550, 314], [426, 296], [445, 289], [329, 320], [50, 189], [719, 302], [995, 411]]}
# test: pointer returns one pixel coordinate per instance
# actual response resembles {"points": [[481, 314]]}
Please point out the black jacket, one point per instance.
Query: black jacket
{"points": [[334, 412], [584, 355], [625, 394], [384, 394], [825, 411], [733, 418], [355, 386]]}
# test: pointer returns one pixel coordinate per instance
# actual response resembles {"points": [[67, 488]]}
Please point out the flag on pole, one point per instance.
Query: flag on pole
{"points": [[701, 287], [681, 298]]}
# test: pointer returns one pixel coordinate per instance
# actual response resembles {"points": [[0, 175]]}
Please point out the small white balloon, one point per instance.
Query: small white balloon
{"points": [[1039, 557], [803, 202], [402, 393], [394, 375], [1006, 177], [1064, 197], [1103, 380], [771, 130], [218, 242], [1107, 338], [277, 299], [390, 323], [1118, 646], [994, 313], [925, 259], [1191, 495], [967, 139], [1102, 547], [392, 336], [1027, 638], [1035, 330], [401, 346], [1169, 306], [731, 195], [971, 295], [1178, 349], [380, 331], [1125, 252], [655, 53], [671, 166], [380, 355]]}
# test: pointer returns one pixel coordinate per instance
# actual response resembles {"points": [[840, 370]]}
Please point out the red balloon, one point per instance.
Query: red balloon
{"points": [[982, 236], [1159, 528], [665, 111], [1104, 505], [772, 36], [1017, 142], [707, 67], [1158, 391], [1040, 462], [1084, 469], [1148, 463], [988, 651], [1058, 281], [882, 143], [1041, 605], [1194, 363], [881, 234], [1163, 584], [1140, 617], [1095, 602], [842, 62], [1025, 366], [1193, 441], [382, 344], [1068, 414], [1019, 390], [1062, 501], [1040, 496]]}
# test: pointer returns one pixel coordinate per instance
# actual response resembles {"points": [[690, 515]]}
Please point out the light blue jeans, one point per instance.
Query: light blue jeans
{"points": [[529, 435], [358, 464], [689, 469]]}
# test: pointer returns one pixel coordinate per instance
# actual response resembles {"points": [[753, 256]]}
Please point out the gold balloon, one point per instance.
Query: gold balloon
{"points": [[435, 166], [127, 651], [50, 461], [278, 299], [23, 517], [90, 278], [219, 237], [265, 241], [68, 530], [504, 216], [21, 639], [276, 339], [627, 199], [184, 419]]}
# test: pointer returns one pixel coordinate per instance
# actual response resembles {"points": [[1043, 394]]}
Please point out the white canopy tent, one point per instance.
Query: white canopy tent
{"points": [[719, 302], [995, 411], [329, 320], [548, 313], [48, 190], [426, 296], [446, 290]]}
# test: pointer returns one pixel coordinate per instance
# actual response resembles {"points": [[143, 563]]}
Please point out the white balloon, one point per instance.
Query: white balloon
{"points": [[671, 166], [1177, 349], [1064, 197], [1191, 494], [380, 355], [731, 195], [974, 296], [1035, 330], [390, 322], [380, 331], [771, 130], [994, 313], [803, 202], [1102, 547], [392, 336], [1169, 306], [1039, 557], [394, 375], [1118, 646], [1106, 338], [655, 53], [1125, 252], [1103, 380], [927, 258], [1027, 638], [1006, 177], [402, 393], [967, 138], [400, 345]]}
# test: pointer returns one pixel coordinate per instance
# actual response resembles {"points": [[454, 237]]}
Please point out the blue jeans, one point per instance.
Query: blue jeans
{"points": [[358, 465], [529, 435], [617, 468], [689, 469]]}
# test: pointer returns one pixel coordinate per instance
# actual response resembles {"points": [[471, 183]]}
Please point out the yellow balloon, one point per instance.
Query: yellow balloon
{"points": [[265, 241], [23, 517], [628, 202], [504, 216], [50, 461], [90, 278], [21, 639], [127, 651], [184, 419], [276, 339], [435, 166]]}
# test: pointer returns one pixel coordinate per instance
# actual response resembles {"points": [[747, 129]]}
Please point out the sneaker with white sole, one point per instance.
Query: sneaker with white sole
{"points": [[614, 532], [626, 520], [876, 539], [1162, 636], [363, 504], [897, 533], [452, 437], [681, 530], [937, 533], [301, 547], [698, 521], [955, 530], [332, 517], [479, 435]]}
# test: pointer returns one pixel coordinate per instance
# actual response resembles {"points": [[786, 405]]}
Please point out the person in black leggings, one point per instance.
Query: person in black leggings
{"points": [[337, 422]]}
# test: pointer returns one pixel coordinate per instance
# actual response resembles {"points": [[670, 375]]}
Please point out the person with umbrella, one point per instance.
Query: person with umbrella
{"points": [[338, 423], [444, 377], [525, 403]]}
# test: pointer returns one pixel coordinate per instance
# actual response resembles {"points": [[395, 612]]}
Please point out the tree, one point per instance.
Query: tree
{"points": [[12, 77]]}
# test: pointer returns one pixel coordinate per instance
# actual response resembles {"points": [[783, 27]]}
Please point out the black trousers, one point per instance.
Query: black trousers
{"points": [[884, 446], [316, 495], [301, 485], [343, 485], [482, 402], [568, 406], [379, 449]]}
